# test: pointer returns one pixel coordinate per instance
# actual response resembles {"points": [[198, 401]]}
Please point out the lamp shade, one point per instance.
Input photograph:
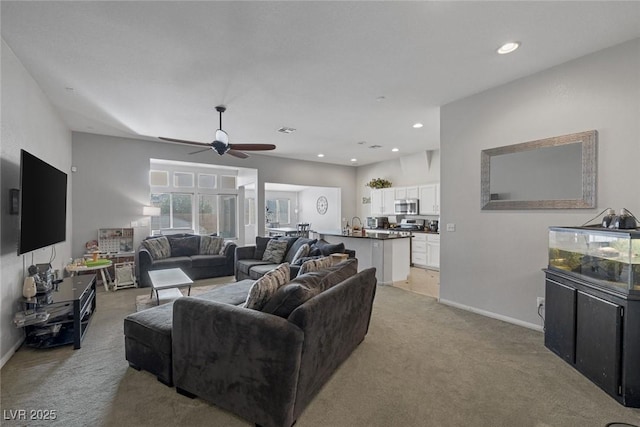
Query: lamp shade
{"points": [[151, 211]]}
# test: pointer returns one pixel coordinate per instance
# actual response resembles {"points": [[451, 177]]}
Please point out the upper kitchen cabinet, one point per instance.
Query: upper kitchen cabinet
{"points": [[404, 193], [382, 201], [429, 199]]}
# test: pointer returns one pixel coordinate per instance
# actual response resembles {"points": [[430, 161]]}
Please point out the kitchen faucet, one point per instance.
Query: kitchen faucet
{"points": [[353, 223]]}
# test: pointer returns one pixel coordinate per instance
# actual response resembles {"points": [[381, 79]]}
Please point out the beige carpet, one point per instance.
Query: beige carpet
{"points": [[148, 300], [422, 364]]}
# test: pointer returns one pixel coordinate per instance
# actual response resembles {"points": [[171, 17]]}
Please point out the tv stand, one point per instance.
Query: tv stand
{"points": [[70, 306]]}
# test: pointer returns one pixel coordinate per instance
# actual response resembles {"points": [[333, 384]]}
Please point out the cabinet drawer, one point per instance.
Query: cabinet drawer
{"points": [[433, 238], [419, 246], [419, 258], [419, 237]]}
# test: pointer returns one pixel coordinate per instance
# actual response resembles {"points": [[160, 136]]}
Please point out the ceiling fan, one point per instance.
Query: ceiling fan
{"points": [[221, 143]]}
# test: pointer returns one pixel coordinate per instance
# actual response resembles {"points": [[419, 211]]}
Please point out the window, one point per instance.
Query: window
{"points": [[228, 182], [158, 178], [206, 180], [183, 180], [207, 214], [175, 210], [278, 211]]}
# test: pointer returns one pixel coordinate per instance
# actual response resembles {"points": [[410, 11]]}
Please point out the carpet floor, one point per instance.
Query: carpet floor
{"points": [[422, 364]]}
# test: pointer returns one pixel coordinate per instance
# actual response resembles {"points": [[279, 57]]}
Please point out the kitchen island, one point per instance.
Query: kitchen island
{"points": [[390, 254]]}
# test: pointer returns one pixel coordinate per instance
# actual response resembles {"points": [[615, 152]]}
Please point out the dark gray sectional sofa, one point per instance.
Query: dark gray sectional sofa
{"points": [[265, 366], [185, 254], [249, 263]]}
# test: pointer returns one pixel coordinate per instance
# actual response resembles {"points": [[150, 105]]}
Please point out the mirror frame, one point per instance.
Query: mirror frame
{"points": [[589, 142]]}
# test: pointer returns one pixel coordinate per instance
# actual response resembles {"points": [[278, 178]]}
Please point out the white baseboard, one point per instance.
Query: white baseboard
{"points": [[492, 315], [11, 352]]}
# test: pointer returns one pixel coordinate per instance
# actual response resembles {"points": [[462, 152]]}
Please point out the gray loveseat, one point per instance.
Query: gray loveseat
{"points": [[184, 252], [250, 265], [266, 368]]}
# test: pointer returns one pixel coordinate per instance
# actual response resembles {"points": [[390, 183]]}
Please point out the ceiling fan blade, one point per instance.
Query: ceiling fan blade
{"points": [[222, 136], [200, 151], [184, 141], [238, 154], [252, 147]]}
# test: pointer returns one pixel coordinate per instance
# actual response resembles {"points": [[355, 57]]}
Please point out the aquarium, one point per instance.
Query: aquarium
{"points": [[612, 257]]}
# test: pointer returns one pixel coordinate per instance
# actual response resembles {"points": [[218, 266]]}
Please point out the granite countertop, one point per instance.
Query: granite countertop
{"points": [[371, 235], [399, 230]]}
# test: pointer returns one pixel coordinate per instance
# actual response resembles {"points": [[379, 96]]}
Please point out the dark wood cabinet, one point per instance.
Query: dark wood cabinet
{"points": [[597, 331]]}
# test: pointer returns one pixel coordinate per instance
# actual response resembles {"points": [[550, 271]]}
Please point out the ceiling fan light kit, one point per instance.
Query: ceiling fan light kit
{"points": [[221, 143]]}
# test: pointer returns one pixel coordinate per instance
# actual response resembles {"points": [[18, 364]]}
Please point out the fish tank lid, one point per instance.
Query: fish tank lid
{"points": [[630, 232]]}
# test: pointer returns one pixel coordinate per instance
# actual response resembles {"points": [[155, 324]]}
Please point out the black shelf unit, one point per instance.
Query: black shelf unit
{"points": [[595, 329], [75, 301]]}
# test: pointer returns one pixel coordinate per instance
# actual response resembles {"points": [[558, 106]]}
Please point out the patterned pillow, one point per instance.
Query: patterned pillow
{"points": [[223, 249], [275, 251], [315, 265], [211, 245], [302, 252], [158, 247], [266, 286]]}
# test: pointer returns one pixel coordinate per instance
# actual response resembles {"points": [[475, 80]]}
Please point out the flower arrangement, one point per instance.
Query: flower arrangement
{"points": [[379, 183]]}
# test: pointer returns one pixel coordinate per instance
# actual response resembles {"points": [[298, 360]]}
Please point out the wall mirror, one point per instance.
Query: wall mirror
{"points": [[552, 173]]}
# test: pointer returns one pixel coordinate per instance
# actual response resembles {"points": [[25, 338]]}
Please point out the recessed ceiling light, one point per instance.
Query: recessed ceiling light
{"points": [[508, 48], [417, 125], [354, 160], [395, 149], [320, 155]]}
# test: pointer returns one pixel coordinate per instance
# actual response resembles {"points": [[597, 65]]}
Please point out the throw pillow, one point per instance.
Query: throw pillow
{"points": [[275, 251], [266, 286], [223, 249], [183, 246], [158, 247], [339, 273], [293, 249], [210, 245], [314, 265], [302, 252]]}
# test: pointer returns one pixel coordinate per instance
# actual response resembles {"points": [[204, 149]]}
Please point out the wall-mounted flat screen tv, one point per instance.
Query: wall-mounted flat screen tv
{"points": [[43, 204]]}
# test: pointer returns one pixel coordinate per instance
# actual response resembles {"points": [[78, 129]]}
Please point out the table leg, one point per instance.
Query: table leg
{"points": [[104, 280], [189, 291], [158, 296]]}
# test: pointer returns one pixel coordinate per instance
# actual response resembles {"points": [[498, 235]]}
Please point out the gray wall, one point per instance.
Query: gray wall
{"points": [[492, 262], [111, 183], [29, 121]]}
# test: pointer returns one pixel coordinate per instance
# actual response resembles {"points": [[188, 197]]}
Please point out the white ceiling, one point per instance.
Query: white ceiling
{"points": [[145, 69]]}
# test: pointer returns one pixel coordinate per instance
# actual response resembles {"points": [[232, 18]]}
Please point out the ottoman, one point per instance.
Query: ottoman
{"points": [[147, 333]]}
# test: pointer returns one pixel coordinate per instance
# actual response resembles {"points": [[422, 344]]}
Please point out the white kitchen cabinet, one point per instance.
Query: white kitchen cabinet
{"points": [[413, 192], [376, 202], [388, 201], [430, 199], [403, 193], [433, 251]]}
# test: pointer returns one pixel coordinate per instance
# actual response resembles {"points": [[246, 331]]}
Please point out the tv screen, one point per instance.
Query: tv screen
{"points": [[43, 204]]}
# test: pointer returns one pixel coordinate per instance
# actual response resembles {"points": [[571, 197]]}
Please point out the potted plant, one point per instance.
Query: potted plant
{"points": [[379, 183]]}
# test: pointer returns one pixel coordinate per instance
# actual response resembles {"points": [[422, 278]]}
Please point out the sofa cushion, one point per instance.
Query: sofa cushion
{"points": [[314, 265], [173, 262], [261, 246], [233, 293], [210, 245], [205, 261], [158, 247], [245, 265], [275, 251], [264, 288], [184, 246], [259, 270], [302, 252], [289, 297], [291, 252], [338, 273], [330, 248], [290, 241]]}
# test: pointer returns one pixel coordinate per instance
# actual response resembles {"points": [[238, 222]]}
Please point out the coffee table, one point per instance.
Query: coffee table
{"points": [[167, 279]]}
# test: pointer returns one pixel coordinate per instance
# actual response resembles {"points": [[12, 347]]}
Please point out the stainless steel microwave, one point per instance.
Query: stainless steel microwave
{"points": [[405, 207]]}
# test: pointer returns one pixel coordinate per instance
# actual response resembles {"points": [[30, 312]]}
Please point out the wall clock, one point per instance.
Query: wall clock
{"points": [[322, 204]]}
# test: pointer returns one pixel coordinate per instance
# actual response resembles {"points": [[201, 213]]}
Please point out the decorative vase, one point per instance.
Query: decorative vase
{"points": [[29, 289]]}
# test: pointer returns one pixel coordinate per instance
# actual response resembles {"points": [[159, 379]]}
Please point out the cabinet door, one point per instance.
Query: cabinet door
{"points": [[428, 199], [560, 312], [401, 193], [376, 202], [388, 199], [433, 251], [598, 341], [413, 193]]}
